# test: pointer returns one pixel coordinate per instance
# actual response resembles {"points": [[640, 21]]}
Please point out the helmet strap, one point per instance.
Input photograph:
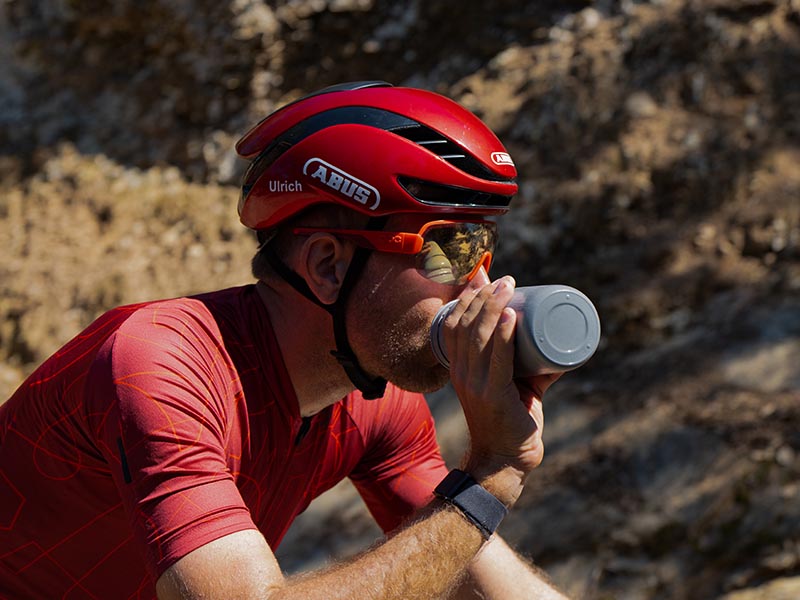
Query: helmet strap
{"points": [[371, 388], [292, 278]]}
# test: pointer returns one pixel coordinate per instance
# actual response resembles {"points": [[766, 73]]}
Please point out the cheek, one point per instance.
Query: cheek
{"points": [[387, 279], [397, 277], [409, 298], [392, 298]]}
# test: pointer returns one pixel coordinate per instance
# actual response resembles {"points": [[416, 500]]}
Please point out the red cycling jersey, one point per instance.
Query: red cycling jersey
{"points": [[166, 425]]}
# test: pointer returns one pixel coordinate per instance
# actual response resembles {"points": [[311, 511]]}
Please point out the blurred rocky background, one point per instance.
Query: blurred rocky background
{"points": [[659, 152]]}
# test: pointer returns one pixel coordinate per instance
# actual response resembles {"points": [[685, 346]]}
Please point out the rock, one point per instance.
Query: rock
{"points": [[787, 588], [657, 157]]}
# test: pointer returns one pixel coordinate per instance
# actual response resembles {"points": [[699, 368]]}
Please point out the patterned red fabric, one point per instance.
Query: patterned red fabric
{"points": [[166, 425]]}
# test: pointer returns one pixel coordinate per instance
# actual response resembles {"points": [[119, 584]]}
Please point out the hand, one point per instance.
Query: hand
{"points": [[504, 415]]}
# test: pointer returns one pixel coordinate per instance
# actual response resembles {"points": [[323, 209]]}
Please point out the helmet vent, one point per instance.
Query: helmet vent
{"points": [[447, 150], [436, 194]]}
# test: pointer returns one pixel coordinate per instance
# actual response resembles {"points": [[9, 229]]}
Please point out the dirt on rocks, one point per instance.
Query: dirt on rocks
{"points": [[658, 145]]}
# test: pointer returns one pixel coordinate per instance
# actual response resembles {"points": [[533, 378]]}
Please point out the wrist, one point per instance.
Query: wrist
{"points": [[477, 504], [503, 481]]}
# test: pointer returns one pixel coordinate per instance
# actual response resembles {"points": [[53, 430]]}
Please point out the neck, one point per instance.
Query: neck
{"points": [[305, 337]]}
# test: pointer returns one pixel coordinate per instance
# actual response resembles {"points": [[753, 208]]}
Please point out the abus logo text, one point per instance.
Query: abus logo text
{"points": [[502, 158], [341, 181]]}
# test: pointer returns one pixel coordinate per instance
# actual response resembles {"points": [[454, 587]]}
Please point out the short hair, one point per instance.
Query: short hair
{"points": [[283, 242]]}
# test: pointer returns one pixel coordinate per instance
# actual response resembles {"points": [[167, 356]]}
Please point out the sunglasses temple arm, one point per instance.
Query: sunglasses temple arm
{"points": [[382, 241], [485, 262]]}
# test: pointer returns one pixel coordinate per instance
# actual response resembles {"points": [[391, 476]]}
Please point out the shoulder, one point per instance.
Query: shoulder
{"points": [[188, 314], [177, 314], [165, 368], [187, 325], [163, 348]]}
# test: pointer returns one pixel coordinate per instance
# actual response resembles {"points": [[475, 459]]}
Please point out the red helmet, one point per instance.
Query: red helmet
{"points": [[377, 149]]}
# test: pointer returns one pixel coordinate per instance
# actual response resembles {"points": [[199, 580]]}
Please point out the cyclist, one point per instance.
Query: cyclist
{"points": [[168, 447]]}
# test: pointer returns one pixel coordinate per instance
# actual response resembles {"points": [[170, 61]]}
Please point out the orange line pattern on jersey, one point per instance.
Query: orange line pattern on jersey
{"points": [[195, 396]]}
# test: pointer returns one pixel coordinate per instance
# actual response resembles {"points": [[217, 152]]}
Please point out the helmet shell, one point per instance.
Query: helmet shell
{"points": [[376, 149]]}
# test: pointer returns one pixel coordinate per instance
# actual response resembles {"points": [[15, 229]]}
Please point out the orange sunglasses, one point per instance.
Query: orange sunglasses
{"points": [[449, 252]]}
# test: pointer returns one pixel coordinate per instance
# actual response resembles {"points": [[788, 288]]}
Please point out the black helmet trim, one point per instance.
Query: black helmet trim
{"points": [[437, 194]]}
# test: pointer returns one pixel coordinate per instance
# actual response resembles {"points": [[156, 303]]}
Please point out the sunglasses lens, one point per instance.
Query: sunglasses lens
{"points": [[452, 251]]}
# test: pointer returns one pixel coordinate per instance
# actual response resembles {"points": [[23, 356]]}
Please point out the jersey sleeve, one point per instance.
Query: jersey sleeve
{"points": [[163, 415], [402, 462]]}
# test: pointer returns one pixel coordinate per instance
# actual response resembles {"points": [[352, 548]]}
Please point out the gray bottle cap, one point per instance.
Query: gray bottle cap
{"points": [[566, 328]]}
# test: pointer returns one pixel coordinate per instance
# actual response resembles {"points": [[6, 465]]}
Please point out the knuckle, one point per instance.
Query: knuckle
{"points": [[451, 321], [486, 292], [484, 330]]}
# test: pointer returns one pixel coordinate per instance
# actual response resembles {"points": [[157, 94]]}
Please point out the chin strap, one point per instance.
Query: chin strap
{"points": [[370, 387]]}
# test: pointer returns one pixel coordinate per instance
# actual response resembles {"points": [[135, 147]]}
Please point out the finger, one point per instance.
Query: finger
{"points": [[458, 322], [484, 295], [479, 325], [487, 320], [503, 347], [464, 300], [471, 336], [476, 285]]}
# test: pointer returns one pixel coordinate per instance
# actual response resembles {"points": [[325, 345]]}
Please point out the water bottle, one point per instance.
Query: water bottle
{"points": [[557, 330]]}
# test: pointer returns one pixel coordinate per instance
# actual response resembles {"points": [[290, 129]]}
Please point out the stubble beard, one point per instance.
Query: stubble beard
{"points": [[400, 348], [407, 360]]}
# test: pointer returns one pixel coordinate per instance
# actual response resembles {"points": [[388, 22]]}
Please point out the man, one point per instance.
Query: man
{"points": [[167, 448]]}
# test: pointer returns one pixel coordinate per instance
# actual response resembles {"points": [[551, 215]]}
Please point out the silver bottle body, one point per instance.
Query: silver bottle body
{"points": [[557, 330]]}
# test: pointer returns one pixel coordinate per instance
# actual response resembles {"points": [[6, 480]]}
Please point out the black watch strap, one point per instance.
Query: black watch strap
{"points": [[479, 506]]}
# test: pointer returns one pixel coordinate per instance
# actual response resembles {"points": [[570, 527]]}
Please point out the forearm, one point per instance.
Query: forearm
{"points": [[498, 573], [427, 559]]}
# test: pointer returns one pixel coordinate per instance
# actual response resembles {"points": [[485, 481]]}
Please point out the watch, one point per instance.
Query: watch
{"points": [[477, 504]]}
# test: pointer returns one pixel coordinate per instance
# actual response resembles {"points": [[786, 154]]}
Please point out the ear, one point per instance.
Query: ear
{"points": [[323, 264]]}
